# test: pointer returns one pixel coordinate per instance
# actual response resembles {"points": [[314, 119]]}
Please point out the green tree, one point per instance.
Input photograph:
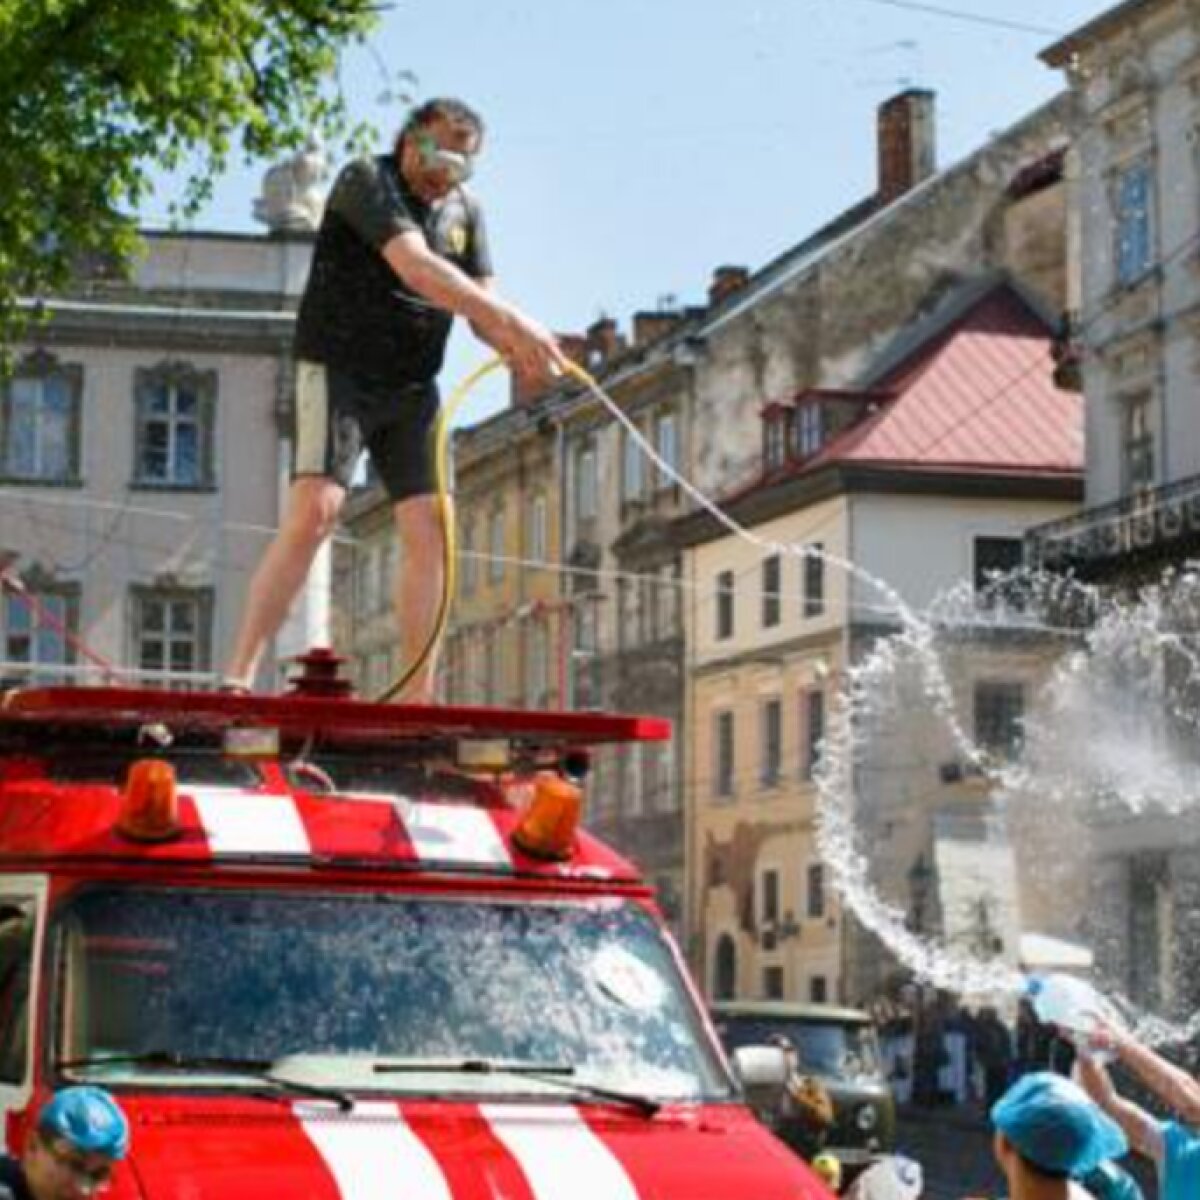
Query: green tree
{"points": [[95, 95]]}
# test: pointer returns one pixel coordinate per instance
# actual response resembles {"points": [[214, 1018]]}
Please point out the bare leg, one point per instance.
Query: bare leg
{"points": [[312, 511], [418, 589]]}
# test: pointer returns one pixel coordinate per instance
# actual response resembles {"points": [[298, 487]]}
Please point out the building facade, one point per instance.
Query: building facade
{"points": [[1134, 74], [925, 476], [144, 434]]}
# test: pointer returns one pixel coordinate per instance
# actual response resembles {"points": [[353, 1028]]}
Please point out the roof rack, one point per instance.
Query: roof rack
{"points": [[114, 708]]}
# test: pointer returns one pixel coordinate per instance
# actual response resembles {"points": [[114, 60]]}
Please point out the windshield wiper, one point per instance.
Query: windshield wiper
{"points": [[253, 1068], [557, 1074]]}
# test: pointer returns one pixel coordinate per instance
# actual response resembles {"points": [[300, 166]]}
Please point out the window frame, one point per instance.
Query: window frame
{"points": [[724, 777], [41, 367], [1134, 226], [772, 589], [770, 741], [725, 613], [204, 601], [175, 377]]}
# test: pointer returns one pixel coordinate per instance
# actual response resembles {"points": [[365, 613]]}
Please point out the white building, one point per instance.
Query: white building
{"points": [[144, 456]]}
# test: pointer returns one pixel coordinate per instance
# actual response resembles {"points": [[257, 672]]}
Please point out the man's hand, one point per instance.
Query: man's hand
{"points": [[530, 349]]}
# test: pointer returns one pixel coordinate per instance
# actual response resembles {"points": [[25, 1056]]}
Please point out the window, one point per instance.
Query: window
{"points": [[996, 558], [666, 445], [174, 428], [666, 584], [723, 766], [661, 786], [633, 478], [725, 596], [724, 968], [39, 420], [809, 427], [586, 662], [1134, 198], [468, 559], [772, 983], [771, 742], [768, 898], [632, 802], [814, 900], [535, 534], [999, 712], [770, 591], [172, 630], [491, 666], [1138, 445], [775, 433], [17, 923], [812, 706], [585, 484], [814, 579], [818, 989], [537, 666], [496, 546], [36, 625]]}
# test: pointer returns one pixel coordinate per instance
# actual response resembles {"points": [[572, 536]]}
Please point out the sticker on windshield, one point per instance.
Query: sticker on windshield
{"points": [[624, 978]]}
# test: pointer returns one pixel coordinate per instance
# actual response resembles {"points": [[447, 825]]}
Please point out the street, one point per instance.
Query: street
{"points": [[954, 1147]]}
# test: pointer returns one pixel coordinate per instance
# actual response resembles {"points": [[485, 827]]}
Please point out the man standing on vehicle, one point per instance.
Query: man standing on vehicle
{"points": [[401, 250], [80, 1135]]}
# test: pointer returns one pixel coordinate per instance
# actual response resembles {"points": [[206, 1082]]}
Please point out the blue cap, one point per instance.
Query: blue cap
{"points": [[89, 1119], [1052, 1123]]}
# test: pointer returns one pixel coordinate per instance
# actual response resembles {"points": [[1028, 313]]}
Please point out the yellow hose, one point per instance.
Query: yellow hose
{"points": [[441, 467]]}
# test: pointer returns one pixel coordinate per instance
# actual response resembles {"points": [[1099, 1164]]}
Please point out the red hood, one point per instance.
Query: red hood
{"points": [[257, 1150]]}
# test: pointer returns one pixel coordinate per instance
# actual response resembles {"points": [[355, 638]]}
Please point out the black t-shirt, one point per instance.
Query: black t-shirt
{"points": [[13, 1185], [357, 314]]}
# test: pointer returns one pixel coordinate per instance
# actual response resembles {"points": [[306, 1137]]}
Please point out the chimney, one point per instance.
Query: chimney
{"points": [[603, 341], [574, 346], [906, 142], [650, 326], [725, 281]]}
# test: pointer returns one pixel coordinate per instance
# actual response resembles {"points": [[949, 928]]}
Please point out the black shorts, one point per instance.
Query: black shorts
{"points": [[337, 418]]}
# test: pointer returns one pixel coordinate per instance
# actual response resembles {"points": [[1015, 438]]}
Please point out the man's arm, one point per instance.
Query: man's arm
{"points": [[1142, 1130], [529, 347], [1171, 1084]]}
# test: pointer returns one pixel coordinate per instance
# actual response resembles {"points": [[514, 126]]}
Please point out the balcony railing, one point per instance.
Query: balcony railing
{"points": [[1151, 522]]}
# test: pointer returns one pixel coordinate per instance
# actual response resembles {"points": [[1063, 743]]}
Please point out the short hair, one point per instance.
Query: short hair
{"points": [[445, 108]]}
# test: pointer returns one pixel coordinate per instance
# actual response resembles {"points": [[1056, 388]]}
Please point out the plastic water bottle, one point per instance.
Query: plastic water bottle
{"points": [[1071, 1004]]}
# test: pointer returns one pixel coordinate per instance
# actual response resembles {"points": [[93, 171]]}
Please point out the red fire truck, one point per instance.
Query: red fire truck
{"points": [[320, 948]]}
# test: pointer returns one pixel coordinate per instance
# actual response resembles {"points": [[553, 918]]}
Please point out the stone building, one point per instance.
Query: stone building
{"points": [[144, 443], [1134, 73]]}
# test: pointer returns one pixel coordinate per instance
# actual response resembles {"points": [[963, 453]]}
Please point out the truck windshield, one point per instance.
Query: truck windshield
{"points": [[330, 987]]}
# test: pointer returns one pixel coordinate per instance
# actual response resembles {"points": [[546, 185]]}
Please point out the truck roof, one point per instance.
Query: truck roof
{"points": [[65, 752]]}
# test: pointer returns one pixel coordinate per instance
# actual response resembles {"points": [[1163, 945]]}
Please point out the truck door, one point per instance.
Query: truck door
{"points": [[22, 919]]}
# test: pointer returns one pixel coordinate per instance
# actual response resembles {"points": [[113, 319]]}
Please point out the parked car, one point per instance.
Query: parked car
{"points": [[840, 1048]]}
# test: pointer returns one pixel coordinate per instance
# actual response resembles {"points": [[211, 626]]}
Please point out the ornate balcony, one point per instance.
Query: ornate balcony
{"points": [[1159, 524]]}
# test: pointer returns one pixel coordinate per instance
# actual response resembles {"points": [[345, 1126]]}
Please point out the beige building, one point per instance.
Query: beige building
{"points": [[925, 476], [144, 459]]}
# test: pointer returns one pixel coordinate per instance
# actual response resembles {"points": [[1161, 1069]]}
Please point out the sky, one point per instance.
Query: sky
{"points": [[634, 145]]}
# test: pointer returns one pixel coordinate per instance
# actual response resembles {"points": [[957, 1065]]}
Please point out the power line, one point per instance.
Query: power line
{"points": [[973, 18]]}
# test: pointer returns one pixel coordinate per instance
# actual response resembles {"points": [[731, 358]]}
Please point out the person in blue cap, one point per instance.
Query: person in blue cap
{"points": [[1172, 1145], [81, 1134], [1049, 1135]]}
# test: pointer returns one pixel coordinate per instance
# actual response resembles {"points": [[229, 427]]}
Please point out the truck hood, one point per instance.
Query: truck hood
{"points": [[238, 1149]]}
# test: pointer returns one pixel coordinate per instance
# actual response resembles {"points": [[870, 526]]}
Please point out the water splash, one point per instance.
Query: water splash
{"points": [[1112, 709]]}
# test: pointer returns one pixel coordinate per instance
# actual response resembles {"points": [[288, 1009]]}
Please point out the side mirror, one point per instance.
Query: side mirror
{"points": [[763, 1074]]}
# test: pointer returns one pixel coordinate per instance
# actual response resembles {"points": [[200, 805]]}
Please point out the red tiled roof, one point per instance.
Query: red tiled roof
{"points": [[980, 396]]}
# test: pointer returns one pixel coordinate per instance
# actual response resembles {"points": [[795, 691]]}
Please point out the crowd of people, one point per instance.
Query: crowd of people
{"points": [[1061, 1128], [939, 1052]]}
